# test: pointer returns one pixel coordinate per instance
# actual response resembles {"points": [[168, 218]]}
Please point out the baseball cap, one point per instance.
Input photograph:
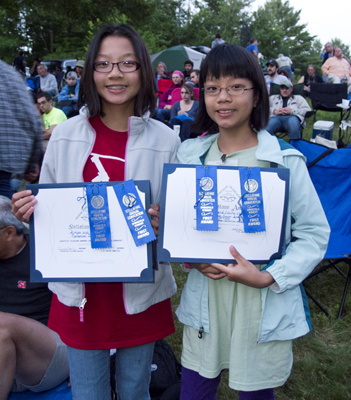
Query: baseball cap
{"points": [[272, 62], [286, 83]]}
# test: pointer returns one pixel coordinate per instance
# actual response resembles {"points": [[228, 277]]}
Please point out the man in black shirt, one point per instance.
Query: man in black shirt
{"points": [[308, 78], [32, 356]]}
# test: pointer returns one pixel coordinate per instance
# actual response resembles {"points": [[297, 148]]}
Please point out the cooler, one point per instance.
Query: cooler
{"points": [[324, 129]]}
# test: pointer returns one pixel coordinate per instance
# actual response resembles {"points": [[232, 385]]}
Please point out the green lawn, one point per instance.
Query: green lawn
{"points": [[322, 359]]}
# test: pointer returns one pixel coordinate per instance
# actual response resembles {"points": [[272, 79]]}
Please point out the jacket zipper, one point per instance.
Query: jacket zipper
{"points": [[82, 305], [125, 172], [84, 299]]}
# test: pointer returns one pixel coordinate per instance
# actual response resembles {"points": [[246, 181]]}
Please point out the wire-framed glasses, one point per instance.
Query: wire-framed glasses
{"points": [[123, 66], [235, 90]]}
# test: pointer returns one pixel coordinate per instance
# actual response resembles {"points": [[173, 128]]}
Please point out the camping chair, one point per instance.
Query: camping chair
{"points": [[275, 89], [298, 90], [326, 96], [330, 172], [163, 85], [176, 96]]}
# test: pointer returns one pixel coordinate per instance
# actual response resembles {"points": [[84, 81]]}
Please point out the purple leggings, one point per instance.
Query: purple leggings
{"points": [[196, 387]]}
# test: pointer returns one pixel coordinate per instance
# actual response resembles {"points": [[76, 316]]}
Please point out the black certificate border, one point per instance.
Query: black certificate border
{"points": [[163, 254], [147, 274]]}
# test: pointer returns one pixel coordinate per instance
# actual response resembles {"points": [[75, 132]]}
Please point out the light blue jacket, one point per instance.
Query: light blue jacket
{"points": [[64, 94], [285, 313]]}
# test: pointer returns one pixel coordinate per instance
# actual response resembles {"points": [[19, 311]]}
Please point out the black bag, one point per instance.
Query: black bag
{"points": [[165, 373]]}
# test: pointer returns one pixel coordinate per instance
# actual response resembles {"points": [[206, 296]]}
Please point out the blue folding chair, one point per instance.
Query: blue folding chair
{"points": [[61, 392], [330, 172]]}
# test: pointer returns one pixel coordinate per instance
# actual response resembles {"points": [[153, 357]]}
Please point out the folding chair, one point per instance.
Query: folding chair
{"points": [[330, 172], [326, 96], [163, 85]]}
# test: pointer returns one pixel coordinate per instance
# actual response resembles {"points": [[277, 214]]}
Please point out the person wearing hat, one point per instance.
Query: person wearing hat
{"points": [[287, 111], [272, 71], [79, 68], [69, 94]]}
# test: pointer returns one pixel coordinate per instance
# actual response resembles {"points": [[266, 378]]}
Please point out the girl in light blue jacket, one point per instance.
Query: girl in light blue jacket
{"points": [[242, 316]]}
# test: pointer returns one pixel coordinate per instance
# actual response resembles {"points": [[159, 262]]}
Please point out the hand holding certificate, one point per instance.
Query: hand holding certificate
{"points": [[179, 238], [61, 229]]}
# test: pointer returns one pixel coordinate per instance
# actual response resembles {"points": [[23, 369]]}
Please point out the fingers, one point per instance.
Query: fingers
{"points": [[23, 205], [154, 211], [236, 255], [215, 276]]}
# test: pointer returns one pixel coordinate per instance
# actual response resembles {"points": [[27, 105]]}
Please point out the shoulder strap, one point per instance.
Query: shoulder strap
{"points": [[324, 154]]}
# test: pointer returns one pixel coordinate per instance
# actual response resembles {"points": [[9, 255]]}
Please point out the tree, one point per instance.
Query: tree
{"points": [[277, 28]]}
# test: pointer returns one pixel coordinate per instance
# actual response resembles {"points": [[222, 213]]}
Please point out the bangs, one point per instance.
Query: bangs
{"points": [[229, 60]]}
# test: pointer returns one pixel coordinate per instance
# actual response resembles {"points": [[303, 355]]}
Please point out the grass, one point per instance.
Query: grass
{"points": [[322, 359]]}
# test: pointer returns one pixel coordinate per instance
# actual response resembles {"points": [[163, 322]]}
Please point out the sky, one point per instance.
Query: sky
{"points": [[326, 19]]}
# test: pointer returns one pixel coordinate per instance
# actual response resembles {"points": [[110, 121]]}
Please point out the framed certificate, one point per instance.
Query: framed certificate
{"points": [[60, 238], [180, 241]]}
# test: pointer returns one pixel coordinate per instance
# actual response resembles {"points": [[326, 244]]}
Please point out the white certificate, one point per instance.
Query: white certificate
{"points": [[180, 241], [60, 238]]}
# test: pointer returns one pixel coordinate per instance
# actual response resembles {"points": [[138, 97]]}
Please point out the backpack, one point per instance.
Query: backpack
{"points": [[165, 373]]}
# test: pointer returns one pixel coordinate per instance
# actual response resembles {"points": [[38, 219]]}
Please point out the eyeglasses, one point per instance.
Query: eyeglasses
{"points": [[234, 90], [123, 66]]}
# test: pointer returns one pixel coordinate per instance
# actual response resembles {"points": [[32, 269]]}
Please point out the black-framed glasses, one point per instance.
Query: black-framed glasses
{"points": [[234, 90], [123, 66]]}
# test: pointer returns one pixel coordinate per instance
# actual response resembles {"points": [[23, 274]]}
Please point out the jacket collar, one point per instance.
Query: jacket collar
{"points": [[269, 148], [135, 124]]}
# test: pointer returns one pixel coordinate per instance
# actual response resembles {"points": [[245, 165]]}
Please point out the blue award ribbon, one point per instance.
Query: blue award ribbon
{"points": [[134, 213], [99, 216], [206, 198], [252, 200]]}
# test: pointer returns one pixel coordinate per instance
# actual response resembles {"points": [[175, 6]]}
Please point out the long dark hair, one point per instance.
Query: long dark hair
{"points": [[231, 60], [190, 89], [145, 99]]}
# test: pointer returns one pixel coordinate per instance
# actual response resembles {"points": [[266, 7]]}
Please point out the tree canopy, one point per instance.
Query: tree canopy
{"points": [[64, 29]]}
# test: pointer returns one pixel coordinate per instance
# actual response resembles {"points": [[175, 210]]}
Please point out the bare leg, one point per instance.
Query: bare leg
{"points": [[27, 348]]}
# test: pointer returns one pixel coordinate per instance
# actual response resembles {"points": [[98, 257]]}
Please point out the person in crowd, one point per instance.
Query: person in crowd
{"points": [[59, 75], [162, 73], [242, 316], [337, 69], [20, 131], [195, 76], [218, 40], [272, 74], [48, 81], [287, 111], [51, 115], [308, 78], [253, 48], [68, 96], [118, 92], [163, 112], [79, 68], [19, 63], [184, 111], [285, 63], [328, 52], [283, 72], [32, 356], [34, 68], [188, 67]]}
